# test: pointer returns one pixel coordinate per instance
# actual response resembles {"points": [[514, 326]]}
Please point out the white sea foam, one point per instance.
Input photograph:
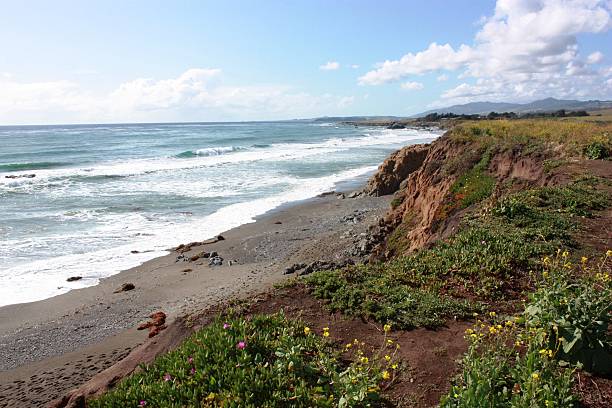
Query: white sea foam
{"points": [[275, 152], [46, 278]]}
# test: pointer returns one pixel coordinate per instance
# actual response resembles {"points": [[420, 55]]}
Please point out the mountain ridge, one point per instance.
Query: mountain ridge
{"points": [[540, 105]]}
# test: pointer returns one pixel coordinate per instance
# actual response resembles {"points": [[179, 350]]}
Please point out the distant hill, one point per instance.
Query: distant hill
{"points": [[542, 105]]}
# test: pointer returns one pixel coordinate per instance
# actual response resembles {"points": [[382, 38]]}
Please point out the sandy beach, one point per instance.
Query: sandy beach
{"points": [[51, 346]]}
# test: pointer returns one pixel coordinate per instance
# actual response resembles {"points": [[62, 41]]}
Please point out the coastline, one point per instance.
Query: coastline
{"points": [[50, 346]]}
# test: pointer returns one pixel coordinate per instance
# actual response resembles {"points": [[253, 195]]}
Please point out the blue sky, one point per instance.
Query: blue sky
{"points": [[131, 61]]}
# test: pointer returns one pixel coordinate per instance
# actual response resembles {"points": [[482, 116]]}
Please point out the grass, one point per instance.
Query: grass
{"points": [[536, 135], [471, 187], [489, 258], [266, 361]]}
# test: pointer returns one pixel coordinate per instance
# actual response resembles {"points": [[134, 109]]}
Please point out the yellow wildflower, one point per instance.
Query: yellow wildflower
{"points": [[386, 375], [326, 332], [348, 345], [394, 366], [307, 330], [535, 376], [509, 323], [565, 254], [492, 314], [387, 328], [584, 259], [364, 360], [388, 357], [609, 252], [389, 341]]}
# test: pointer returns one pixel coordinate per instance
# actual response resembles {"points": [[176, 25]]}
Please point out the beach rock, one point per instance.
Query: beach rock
{"points": [[220, 238], [202, 254], [125, 287], [213, 254], [354, 194], [277, 222], [341, 196], [322, 265], [74, 278], [17, 176], [215, 261], [396, 169], [155, 325], [396, 125], [294, 268]]}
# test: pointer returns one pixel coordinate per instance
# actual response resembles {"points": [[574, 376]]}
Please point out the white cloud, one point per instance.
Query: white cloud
{"points": [[595, 58], [435, 57], [442, 78], [355, 66], [525, 47], [412, 86], [330, 66], [197, 94]]}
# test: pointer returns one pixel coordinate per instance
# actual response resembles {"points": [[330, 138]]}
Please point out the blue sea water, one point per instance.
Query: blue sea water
{"points": [[103, 191]]}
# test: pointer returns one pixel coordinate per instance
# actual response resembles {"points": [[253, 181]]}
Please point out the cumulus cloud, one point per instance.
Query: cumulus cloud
{"points": [[197, 94], [330, 66], [595, 58], [526, 46], [412, 86]]}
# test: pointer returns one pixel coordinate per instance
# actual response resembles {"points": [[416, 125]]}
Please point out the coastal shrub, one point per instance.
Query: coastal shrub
{"points": [[596, 151], [509, 366], [471, 187], [490, 257], [361, 292], [575, 312], [475, 185], [264, 361], [529, 361]]}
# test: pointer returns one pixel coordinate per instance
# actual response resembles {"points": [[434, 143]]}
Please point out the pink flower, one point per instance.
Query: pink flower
{"points": [[190, 360], [226, 326], [142, 403], [192, 371], [241, 345], [167, 377]]}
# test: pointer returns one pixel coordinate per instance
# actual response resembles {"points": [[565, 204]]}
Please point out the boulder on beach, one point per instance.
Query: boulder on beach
{"points": [[215, 261], [74, 278], [125, 287], [156, 324]]}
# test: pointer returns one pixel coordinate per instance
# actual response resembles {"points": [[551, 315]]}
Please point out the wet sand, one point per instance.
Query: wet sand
{"points": [[51, 346]]}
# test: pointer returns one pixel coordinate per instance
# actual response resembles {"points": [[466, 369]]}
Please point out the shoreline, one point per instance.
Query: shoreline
{"points": [[82, 280], [58, 343]]}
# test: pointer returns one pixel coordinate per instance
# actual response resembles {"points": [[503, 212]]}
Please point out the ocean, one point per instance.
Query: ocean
{"points": [[102, 192]]}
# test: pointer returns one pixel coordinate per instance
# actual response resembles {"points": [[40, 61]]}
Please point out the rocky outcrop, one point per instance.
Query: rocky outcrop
{"points": [[396, 125], [395, 169], [422, 178]]}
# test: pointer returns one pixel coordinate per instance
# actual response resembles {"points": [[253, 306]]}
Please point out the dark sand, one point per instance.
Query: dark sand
{"points": [[52, 346]]}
